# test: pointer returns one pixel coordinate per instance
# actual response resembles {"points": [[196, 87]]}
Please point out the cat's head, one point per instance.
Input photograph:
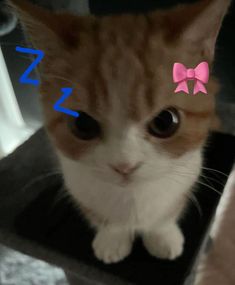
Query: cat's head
{"points": [[120, 69]]}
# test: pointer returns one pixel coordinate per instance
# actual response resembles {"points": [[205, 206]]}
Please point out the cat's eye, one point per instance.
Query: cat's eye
{"points": [[165, 124], [85, 127]]}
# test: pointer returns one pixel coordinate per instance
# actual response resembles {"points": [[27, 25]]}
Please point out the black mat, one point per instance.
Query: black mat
{"points": [[58, 226]]}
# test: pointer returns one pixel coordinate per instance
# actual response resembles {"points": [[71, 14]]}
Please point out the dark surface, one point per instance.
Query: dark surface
{"points": [[57, 225]]}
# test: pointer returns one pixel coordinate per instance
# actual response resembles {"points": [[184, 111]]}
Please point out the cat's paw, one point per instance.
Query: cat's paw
{"points": [[167, 244], [111, 246]]}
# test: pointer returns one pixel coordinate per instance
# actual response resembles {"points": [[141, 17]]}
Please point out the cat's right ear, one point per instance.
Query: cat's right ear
{"points": [[37, 22], [46, 30]]}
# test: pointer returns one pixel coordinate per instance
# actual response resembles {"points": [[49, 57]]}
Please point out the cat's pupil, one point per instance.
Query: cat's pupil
{"points": [[85, 127], [165, 124]]}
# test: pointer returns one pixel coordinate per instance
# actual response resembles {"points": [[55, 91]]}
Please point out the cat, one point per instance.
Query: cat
{"points": [[132, 157], [8, 20]]}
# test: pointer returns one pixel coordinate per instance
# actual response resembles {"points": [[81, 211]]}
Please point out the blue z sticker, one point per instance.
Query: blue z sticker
{"points": [[66, 93], [24, 78]]}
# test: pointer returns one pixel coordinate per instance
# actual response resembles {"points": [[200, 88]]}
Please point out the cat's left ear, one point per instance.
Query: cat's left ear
{"points": [[199, 24]]}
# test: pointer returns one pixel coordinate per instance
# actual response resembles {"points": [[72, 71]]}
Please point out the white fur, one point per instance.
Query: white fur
{"points": [[141, 206], [165, 242]]}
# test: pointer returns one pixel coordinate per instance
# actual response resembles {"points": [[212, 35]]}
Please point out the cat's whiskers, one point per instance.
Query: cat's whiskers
{"points": [[40, 178], [192, 198], [24, 57], [214, 170], [208, 169], [63, 194], [210, 187], [205, 168], [201, 175], [53, 76], [199, 182]]}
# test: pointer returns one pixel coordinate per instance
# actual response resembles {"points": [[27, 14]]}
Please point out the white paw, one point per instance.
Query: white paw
{"points": [[112, 246], [167, 244]]}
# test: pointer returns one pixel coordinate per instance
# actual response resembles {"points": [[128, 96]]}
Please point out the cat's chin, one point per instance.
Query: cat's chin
{"points": [[129, 183], [118, 181], [124, 182]]}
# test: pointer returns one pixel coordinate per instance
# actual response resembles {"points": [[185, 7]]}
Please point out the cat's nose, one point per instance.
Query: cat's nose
{"points": [[125, 169]]}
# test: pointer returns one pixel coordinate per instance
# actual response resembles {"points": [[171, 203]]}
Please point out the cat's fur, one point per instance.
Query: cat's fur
{"points": [[121, 70]]}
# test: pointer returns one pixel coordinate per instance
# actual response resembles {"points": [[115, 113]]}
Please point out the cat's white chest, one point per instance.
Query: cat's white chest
{"points": [[137, 205]]}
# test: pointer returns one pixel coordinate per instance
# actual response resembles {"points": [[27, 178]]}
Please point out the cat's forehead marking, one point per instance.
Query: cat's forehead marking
{"points": [[124, 72], [122, 77], [125, 75]]}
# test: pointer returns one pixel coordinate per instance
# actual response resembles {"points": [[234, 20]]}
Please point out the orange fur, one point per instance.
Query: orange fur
{"points": [[97, 55]]}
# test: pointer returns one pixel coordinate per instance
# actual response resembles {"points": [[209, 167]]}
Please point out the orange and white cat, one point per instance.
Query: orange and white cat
{"points": [[132, 157]]}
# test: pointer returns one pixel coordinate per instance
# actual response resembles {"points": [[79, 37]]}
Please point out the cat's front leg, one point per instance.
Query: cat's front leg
{"points": [[112, 244], [166, 242]]}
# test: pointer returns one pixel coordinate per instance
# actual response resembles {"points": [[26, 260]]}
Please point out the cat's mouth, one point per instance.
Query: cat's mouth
{"points": [[125, 180]]}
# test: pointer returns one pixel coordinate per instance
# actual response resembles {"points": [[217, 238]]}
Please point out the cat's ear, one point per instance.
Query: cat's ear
{"points": [[198, 24], [48, 31]]}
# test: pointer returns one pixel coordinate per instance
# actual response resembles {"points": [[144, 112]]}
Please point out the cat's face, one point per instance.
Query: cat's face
{"points": [[120, 67]]}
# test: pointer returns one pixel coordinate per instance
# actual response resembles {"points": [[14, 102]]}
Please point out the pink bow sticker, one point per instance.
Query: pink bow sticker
{"points": [[200, 75]]}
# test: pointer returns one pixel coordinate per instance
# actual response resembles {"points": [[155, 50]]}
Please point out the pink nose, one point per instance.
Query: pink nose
{"points": [[125, 168]]}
